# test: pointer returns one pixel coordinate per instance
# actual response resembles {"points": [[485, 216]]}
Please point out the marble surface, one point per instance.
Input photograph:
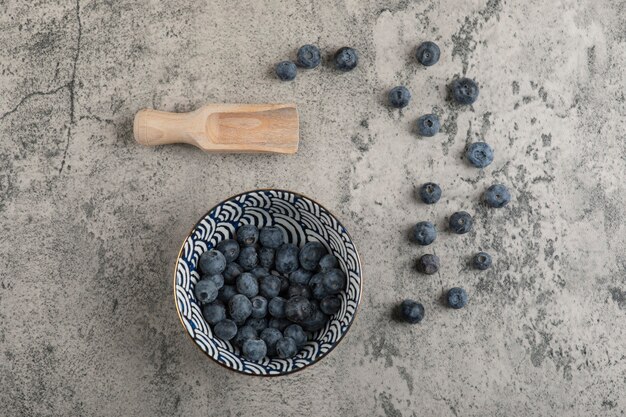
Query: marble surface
{"points": [[92, 222]]}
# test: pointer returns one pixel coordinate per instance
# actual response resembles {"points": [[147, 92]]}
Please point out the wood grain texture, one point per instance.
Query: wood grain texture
{"points": [[223, 128]]}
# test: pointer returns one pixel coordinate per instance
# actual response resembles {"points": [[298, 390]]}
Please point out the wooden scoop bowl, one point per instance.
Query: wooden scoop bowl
{"points": [[223, 128]]}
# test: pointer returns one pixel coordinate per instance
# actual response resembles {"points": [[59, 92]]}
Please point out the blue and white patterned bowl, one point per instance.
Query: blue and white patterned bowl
{"points": [[303, 220]]}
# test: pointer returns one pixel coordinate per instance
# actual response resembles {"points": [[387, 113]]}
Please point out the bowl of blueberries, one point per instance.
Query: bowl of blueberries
{"points": [[267, 282]]}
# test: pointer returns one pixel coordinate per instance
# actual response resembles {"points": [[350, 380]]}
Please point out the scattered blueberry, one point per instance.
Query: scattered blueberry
{"points": [[428, 264], [205, 291], [328, 262], [276, 307], [464, 91], [232, 271], [309, 56], [270, 286], [310, 255], [247, 234], [296, 333], [286, 348], [300, 276], [229, 248], [286, 70], [330, 305], [286, 258], [457, 298], [411, 311], [217, 279], [254, 349], [266, 257], [497, 196], [461, 222], [299, 289], [259, 307], [212, 262], [214, 312], [346, 59], [430, 193], [428, 125], [248, 258], [424, 233], [279, 324], [399, 97], [315, 322], [334, 280], [427, 53], [244, 333], [270, 336], [257, 324], [240, 308], [479, 154], [226, 293], [482, 261], [298, 309], [271, 237], [247, 284], [225, 329]]}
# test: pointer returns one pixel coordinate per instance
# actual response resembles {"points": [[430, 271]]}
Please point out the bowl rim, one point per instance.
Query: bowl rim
{"points": [[317, 360]]}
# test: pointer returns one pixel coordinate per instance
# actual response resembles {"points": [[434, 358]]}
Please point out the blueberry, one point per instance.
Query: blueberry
{"points": [[247, 234], [259, 307], [229, 248], [430, 193], [260, 272], [482, 261], [497, 196], [428, 125], [205, 291], [286, 70], [286, 258], [254, 349], [424, 233], [270, 286], [328, 262], [317, 286], [244, 333], [247, 285], [330, 305], [299, 289], [346, 59], [464, 91], [427, 54], [212, 262], [461, 222], [300, 276], [310, 255], [271, 237], [214, 312], [232, 271], [257, 324], [479, 154], [217, 279], [428, 264], [315, 322], [334, 280], [298, 309], [308, 56], [266, 257], [279, 324], [276, 307], [399, 97], [457, 298], [296, 333], [248, 258], [225, 329], [270, 336], [240, 308], [226, 293], [286, 348], [411, 311]]}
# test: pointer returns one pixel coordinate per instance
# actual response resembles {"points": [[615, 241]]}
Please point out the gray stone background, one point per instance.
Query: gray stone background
{"points": [[92, 222]]}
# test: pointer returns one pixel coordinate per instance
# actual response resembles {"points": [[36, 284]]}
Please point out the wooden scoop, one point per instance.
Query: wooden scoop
{"points": [[223, 128]]}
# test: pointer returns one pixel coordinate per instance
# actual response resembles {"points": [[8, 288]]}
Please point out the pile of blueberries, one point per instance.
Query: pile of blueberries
{"points": [[309, 57], [267, 296], [464, 91]]}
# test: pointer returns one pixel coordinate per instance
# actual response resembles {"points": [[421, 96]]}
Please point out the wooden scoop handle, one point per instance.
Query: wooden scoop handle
{"points": [[223, 128]]}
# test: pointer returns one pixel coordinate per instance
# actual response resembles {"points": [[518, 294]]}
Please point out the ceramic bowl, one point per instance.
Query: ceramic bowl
{"points": [[302, 220]]}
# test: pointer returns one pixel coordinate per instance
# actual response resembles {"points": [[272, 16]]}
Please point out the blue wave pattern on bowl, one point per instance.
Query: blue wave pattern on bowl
{"points": [[303, 220]]}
